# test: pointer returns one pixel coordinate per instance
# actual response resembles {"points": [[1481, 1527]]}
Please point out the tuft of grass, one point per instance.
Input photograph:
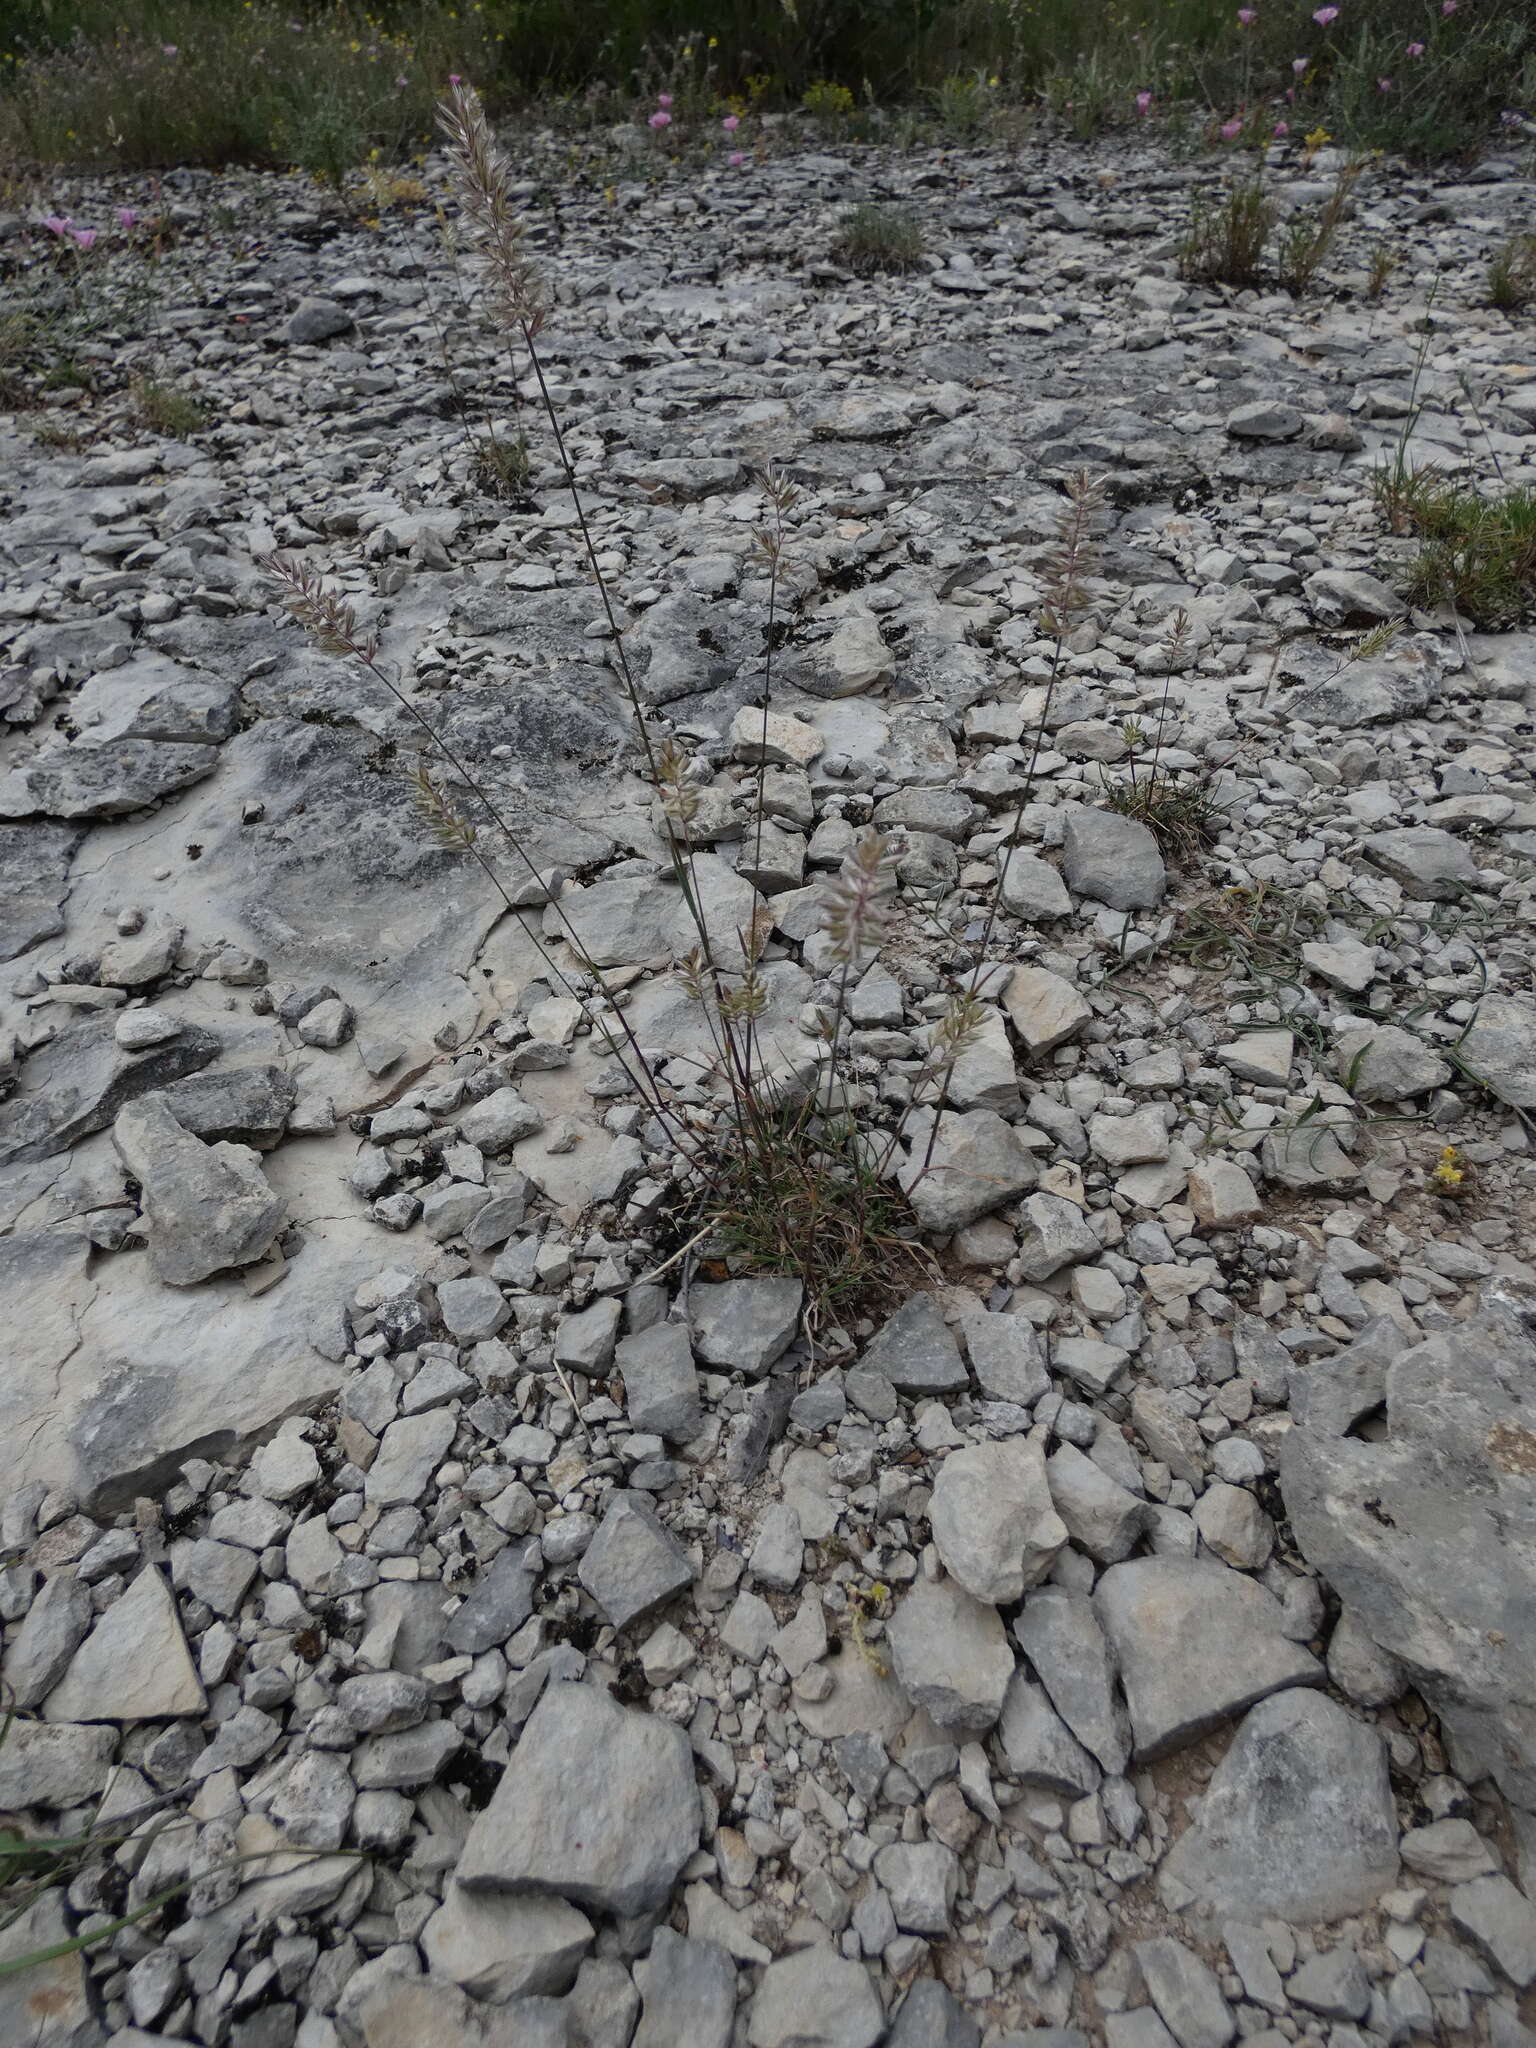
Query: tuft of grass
{"points": [[167, 411], [878, 238], [1384, 260], [1305, 242], [1224, 243], [810, 1201], [502, 465], [1182, 814], [1477, 552], [1512, 274]]}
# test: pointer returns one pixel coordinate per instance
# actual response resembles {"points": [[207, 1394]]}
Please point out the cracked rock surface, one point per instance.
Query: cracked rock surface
{"points": [[491, 1632]]}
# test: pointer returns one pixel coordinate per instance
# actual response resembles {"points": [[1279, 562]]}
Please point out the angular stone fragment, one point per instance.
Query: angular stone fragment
{"points": [[922, 1879], [916, 1350], [1502, 1921], [1428, 1535], [49, 1635], [1265, 419], [1299, 1820], [410, 1452], [951, 1655], [1349, 597], [1101, 1516], [207, 1206], [1114, 860], [1039, 1747], [1499, 1047], [597, 1804], [134, 1665], [1060, 1634], [49, 2004], [498, 1945], [1006, 1357], [54, 1764], [634, 1564], [1222, 1195], [1185, 1991], [1053, 1233], [688, 1993], [815, 1998], [994, 1525], [1432, 865], [661, 1386], [977, 1163], [1032, 889], [1382, 1063], [1196, 1642], [744, 1325], [932, 2017], [1169, 1434], [1044, 1009]]}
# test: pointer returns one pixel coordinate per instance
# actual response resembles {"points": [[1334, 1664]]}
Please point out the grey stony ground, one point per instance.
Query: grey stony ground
{"points": [[1129, 1638]]}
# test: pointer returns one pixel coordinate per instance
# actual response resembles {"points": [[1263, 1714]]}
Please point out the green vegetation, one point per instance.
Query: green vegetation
{"points": [[1225, 242], [1478, 551], [1512, 275], [165, 410], [136, 84], [872, 238]]}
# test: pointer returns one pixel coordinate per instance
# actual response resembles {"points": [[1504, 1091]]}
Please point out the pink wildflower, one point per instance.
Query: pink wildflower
{"points": [[736, 159], [731, 123], [1230, 130], [1323, 15], [1143, 102], [167, 49], [1299, 66], [661, 118], [1247, 16], [1415, 49], [1447, 6], [1383, 85], [663, 100], [56, 223], [455, 78], [1282, 129], [84, 238], [127, 219]]}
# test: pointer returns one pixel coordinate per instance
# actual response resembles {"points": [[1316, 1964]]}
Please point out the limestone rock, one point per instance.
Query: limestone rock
{"points": [[994, 1524], [1196, 1642], [134, 1665], [1298, 1822], [613, 1838], [951, 1655], [207, 1206], [1429, 1534]]}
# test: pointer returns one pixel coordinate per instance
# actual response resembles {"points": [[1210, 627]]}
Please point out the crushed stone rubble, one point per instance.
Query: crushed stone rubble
{"points": [[485, 1638]]}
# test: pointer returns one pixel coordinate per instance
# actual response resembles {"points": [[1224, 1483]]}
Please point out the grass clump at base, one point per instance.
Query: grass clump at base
{"points": [[1224, 243], [502, 465], [1512, 275], [165, 410], [871, 239], [1182, 816], [1477, 553]]}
